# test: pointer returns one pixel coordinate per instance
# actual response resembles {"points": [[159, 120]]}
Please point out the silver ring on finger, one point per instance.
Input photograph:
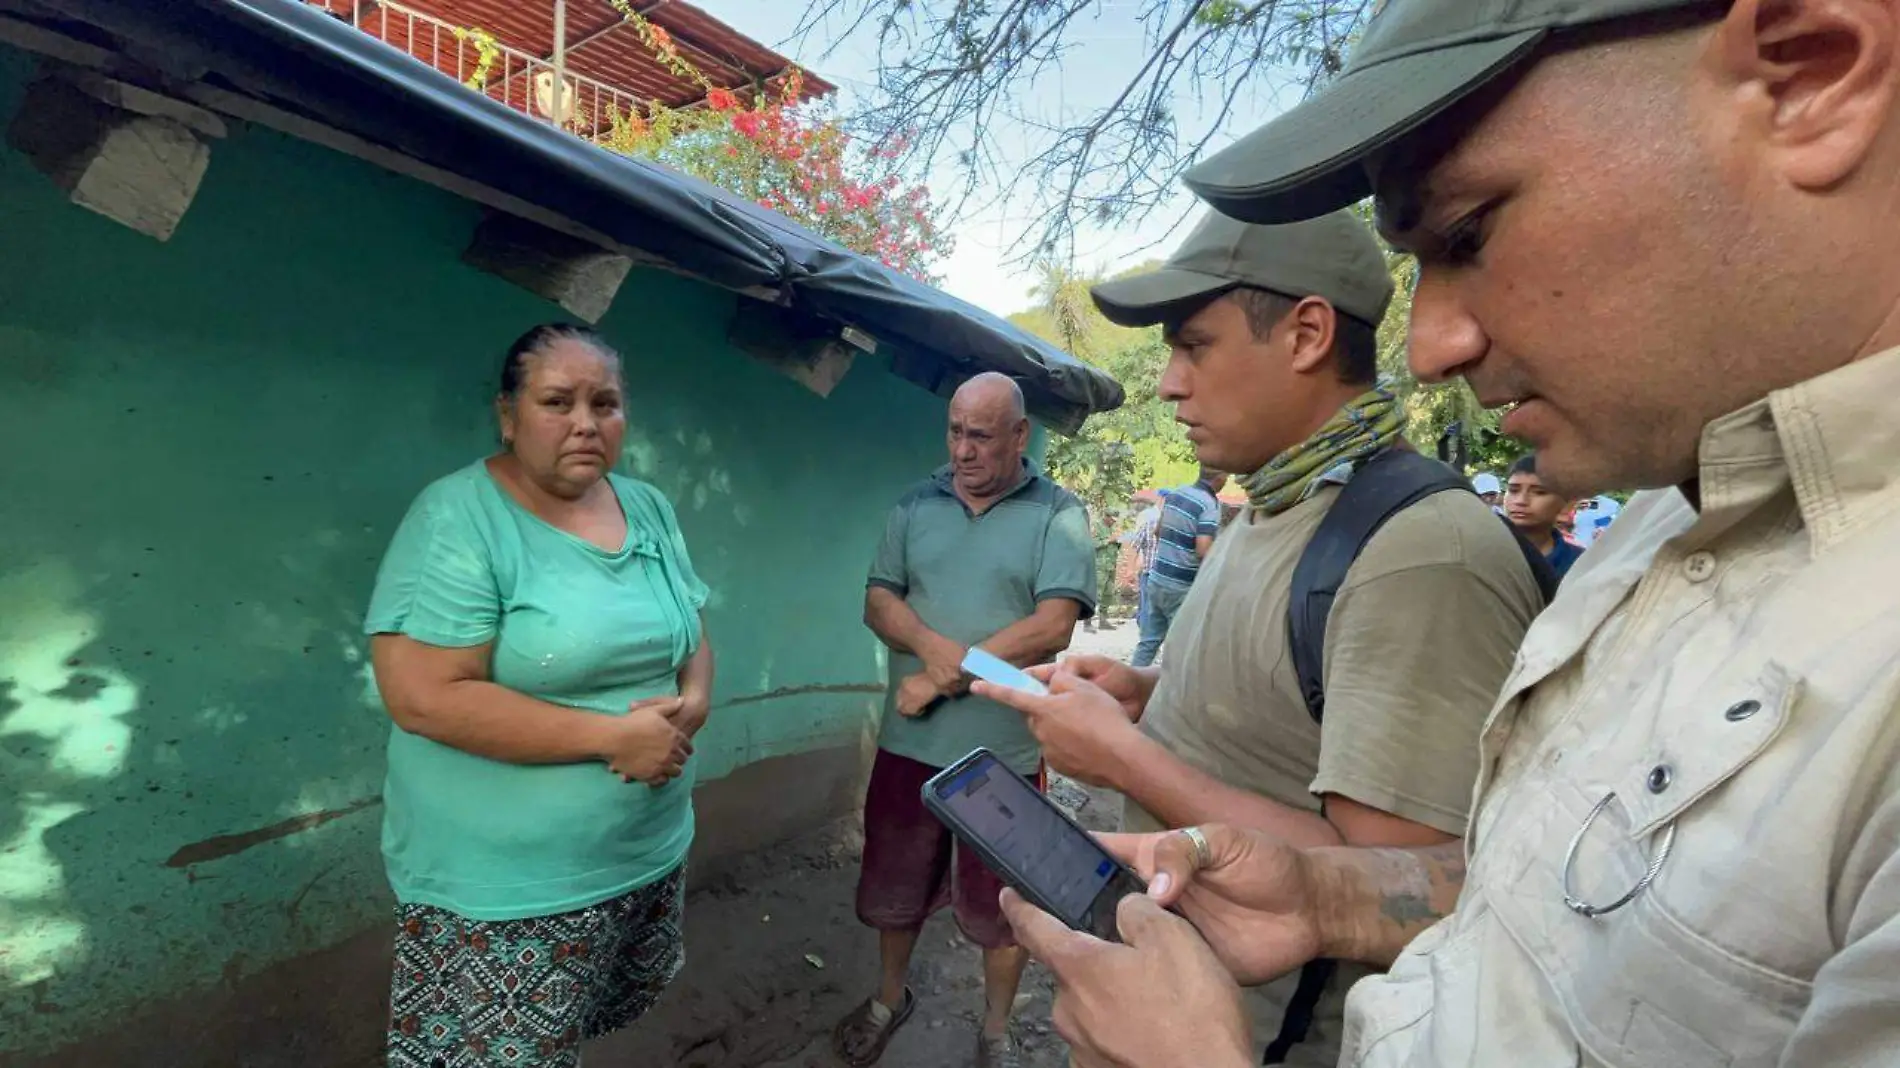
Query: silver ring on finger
{"points": [[1203, 853]]}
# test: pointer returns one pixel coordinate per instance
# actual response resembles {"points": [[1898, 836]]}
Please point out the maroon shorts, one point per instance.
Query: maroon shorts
{"points": [[908, 870]]}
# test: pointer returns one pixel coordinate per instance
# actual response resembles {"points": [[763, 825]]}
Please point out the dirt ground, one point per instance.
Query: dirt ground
{"points": [[775, 956]]}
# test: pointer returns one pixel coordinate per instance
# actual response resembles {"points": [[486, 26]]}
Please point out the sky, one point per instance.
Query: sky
{"points": [[1107, 49]]}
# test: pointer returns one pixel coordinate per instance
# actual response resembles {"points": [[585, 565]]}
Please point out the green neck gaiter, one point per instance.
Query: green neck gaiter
{"points": [[1363, 428]]}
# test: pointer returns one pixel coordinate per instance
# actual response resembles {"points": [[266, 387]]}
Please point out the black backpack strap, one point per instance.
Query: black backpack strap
{"points": [[1298, 1020], [1383, 487]]}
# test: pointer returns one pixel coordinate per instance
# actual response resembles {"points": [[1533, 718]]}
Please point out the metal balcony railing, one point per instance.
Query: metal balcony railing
{"points": [[519, 80]]}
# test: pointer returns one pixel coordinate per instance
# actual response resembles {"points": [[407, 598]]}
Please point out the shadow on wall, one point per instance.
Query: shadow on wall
{"points": [[188, 758], [127, 737], [222, 432]]}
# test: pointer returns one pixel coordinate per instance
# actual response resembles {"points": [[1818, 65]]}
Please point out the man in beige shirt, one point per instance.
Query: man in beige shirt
{"points": [[1422, 630], [1666, 233]]}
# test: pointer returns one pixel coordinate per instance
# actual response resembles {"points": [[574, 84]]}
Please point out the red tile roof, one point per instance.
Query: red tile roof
{"points": [[600, 44]]}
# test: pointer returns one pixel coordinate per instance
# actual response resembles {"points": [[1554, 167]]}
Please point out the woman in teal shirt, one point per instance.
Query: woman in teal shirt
{"points": [[537, 639]]}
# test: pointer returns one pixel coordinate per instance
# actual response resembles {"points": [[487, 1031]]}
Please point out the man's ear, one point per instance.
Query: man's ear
{"points": [[1312, 326], [1817, 78]]}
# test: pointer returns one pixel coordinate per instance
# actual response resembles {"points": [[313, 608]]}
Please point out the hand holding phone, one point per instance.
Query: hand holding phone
{"points": [[1030, 843]]}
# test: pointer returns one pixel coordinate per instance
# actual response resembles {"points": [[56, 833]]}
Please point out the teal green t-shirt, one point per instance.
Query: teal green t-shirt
{"points": [[968, 577], [573, 625]]}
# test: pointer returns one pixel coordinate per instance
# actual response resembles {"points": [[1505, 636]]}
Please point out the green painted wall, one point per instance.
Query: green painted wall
{"points": [[207, 444]]}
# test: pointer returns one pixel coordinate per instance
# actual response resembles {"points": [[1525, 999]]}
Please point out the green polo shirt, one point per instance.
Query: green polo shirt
{"points": [[967, 577]]}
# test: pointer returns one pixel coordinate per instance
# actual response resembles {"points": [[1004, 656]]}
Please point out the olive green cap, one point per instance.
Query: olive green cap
{"points": [[1334, 256], [1415, 59]]}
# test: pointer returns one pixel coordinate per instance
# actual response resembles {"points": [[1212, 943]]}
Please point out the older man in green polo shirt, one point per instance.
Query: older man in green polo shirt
{"points": [[984, 552], [1662, 234]]}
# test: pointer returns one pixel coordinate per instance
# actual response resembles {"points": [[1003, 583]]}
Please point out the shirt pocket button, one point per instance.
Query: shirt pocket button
{"points": [[1699, 567]]}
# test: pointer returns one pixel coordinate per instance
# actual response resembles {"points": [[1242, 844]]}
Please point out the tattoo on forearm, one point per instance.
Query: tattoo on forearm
{"points": [[1407, 909], [1429, 890], [1406, 891]]}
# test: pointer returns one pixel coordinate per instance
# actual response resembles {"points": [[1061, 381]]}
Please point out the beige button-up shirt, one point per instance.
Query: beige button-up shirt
{"points": [[1725, 683]]}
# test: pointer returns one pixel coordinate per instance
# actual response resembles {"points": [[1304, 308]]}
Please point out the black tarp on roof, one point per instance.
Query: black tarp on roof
{"points": [[296, 57]]}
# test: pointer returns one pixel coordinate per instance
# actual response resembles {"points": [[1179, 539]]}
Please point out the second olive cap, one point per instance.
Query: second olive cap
{"points": [[1334, 256]]}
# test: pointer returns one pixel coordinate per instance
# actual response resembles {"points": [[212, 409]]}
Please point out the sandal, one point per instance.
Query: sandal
{"points": [[860, 1038]]}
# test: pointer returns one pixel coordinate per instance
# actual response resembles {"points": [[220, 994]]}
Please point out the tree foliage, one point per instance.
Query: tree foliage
{"points": [[487, 54], [799, 162], [1138, 445], [780, 151], [957, 78], [958, 81]]}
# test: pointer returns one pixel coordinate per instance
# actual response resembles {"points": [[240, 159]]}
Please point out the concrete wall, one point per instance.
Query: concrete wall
{"points": [[207, 444]]}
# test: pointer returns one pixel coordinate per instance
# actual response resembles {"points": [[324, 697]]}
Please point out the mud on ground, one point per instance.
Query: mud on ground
{"points": [[775, 956]]}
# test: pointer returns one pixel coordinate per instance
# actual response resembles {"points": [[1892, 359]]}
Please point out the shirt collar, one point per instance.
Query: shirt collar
{"points": [[1834, 439], [945, 478]]}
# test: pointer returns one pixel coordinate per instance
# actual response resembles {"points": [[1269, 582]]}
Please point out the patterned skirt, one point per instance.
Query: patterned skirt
{"points": [[526, 993]]}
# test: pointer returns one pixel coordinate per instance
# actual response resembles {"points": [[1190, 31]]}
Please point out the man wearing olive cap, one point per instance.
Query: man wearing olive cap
{"points": [[1664, 235], [1273, 365]]}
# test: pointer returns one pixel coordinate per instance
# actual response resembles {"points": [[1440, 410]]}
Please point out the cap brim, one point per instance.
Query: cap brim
{"points": [[1156, 297], [1309, 161]]}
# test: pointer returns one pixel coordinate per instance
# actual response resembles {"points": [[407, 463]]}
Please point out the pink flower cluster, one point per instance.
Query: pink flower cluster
{"points": [[777, 153], [809, 169]]}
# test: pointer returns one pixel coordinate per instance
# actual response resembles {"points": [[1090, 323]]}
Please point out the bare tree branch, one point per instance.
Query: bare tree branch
{"points": [[964, 86]]}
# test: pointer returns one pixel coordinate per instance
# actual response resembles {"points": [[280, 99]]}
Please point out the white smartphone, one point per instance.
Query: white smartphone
{"points": [[1001, 672]]}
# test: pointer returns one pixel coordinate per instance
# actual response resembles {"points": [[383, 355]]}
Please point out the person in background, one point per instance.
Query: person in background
{"points": [[1229, 512], [1184, 535], [1141, 541], [1489, 489], [536, 637], [1108, 545], [1535, 510], [987, 553], [1567, 524], [1662, 235], [1423, 629], [1142, 535], [1594, 517]]}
